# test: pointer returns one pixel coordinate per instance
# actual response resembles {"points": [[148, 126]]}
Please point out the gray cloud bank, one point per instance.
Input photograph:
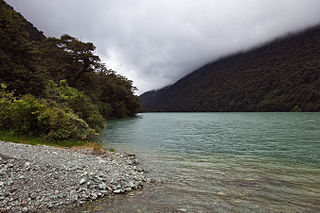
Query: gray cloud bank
{"points": [[156, 42]]}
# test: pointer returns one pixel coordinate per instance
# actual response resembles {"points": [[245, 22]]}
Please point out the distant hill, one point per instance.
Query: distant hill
{"points": [[282, 75]]}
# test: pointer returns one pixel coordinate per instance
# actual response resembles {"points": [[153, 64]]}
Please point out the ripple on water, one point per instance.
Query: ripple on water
{"points": [[222, 162]]}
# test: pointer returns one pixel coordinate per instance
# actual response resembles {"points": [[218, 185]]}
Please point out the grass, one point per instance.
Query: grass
{"points": [[33, 140]]}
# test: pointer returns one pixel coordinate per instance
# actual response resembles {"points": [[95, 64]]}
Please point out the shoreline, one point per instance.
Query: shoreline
{"points": [[44, 178]]}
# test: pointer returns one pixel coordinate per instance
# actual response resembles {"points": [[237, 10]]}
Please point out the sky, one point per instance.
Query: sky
{"points": [[156, 42]]}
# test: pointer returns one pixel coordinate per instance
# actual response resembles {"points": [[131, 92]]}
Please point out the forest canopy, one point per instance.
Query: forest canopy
{"points": [[56, 87]]}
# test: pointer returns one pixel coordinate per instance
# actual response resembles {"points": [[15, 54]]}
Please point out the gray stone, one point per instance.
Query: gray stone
{"points": [[61, 195], [102, 186], [33, 195], [25, 209], [59, 177], [117, 191], [82, 181]]}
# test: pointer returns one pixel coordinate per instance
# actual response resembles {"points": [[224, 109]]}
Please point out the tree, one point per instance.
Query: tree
{"points": [[19, 58]]}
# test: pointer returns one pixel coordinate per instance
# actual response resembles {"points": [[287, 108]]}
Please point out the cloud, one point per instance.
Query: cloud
{"points": [[156, 42]]}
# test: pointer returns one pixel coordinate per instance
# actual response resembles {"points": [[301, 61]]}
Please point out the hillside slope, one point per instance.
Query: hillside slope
{"points": [[33, 34], [283, 75]]}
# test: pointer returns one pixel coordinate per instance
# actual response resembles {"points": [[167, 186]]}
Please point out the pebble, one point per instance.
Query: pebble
{"points": [[44, 178], [102, 186], [33, 195], [25, 209], [117, 191], [82, 181]]}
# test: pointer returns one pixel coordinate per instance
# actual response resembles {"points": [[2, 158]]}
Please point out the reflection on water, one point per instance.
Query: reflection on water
{"points": [[221, 162]]}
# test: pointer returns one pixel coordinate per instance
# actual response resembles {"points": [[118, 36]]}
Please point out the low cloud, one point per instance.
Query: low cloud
{"points": [[154, 43]]}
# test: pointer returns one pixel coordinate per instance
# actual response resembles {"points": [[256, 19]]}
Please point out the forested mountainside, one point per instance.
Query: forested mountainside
{"points": [[56, 87], [33, 33], [282, 75]]}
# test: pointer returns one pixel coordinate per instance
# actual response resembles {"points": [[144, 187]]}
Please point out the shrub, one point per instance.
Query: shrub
{"points": [[41, 117], [58, 124], [77, 101], [24, 114], [6, 99]]}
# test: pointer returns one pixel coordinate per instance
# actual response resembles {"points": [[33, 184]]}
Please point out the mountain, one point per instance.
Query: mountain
{"points": [[282, 75], [33, 34]]}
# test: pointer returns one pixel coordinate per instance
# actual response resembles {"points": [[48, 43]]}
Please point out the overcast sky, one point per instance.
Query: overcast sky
{"points": [[156, 42]]}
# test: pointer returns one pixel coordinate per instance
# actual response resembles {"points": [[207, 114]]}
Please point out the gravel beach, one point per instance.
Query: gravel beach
{"points": [[42, 178]]}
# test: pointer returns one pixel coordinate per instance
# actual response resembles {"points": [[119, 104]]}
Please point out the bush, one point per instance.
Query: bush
{"points": [[5, 107], [58, 124], [41, 117], [77, 101], [24, 114]]}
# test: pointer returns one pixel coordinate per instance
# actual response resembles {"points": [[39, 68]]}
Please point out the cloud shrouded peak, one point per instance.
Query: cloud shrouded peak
{"points": [[156, 42]]}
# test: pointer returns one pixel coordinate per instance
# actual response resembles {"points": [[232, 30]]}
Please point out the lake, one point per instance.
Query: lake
{"points": [[221, 162]]}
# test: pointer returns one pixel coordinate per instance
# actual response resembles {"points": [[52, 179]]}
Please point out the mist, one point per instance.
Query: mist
{"points": [[154, 43]]}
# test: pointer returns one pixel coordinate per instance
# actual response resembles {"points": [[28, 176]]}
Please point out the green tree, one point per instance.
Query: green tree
{"points": [[19, 58]]}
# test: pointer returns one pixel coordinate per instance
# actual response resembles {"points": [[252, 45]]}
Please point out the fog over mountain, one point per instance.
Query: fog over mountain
{"points": [[156, 42]]}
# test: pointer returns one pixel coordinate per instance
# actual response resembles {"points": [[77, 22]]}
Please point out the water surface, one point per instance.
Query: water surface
{"points": [[221, 162]]}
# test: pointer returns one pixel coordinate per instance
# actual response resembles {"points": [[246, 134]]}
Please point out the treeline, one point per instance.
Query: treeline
{"points": [[282, 75], [56, 87]]}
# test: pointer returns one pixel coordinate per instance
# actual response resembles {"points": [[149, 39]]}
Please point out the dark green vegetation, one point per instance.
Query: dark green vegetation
{"points": [[283, 75], [56, 88]]}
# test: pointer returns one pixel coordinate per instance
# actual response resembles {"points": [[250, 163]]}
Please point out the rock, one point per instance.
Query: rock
{"points": [[24, 203], [61, 195], [221, 194], [33, 195], [9, 182], [131, 184], [94, 196], [82, 181], [102, 186], [25, 209], [47, 180], [117, 191], [2, 171]]}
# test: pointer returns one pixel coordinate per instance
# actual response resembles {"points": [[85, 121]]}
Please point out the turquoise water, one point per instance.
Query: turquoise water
{"points": [[222, 162]]}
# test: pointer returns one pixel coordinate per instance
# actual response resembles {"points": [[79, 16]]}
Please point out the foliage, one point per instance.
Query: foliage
{"points": [[19, 58], [81, 104], [28, 66], [40, 117], [73, 60], [60, 90], [58, 124]]}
